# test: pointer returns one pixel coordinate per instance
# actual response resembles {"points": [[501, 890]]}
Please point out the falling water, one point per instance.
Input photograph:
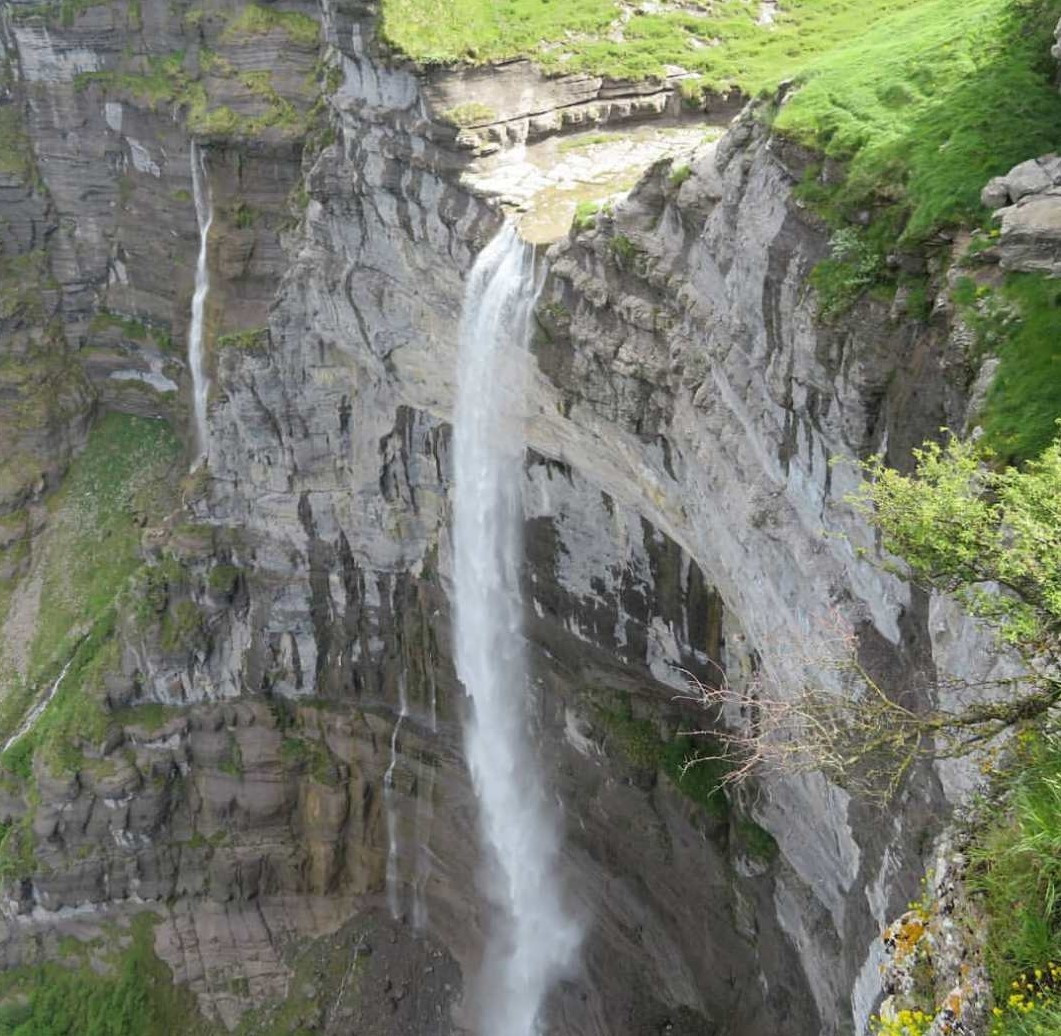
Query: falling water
{"points": [[204, 213], [535, 939], [388, 803], [35, 713]]}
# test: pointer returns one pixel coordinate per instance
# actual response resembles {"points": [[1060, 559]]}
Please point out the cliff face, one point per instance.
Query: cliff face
{"points": [[685, 407]]}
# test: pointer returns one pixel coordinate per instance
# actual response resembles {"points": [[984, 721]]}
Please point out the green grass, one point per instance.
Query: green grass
{"points": [[586, 215], [135, 996], [251, 339], [470, 114], [1016, 866], [575, 35], [1024, 401], [123, 478], [253, 20], [132, 328], [15, 154], [164, 81], [588, 140], [925, 107], [924, 100]]}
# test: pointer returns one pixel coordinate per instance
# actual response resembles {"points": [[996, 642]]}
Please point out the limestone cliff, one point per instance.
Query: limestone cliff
{"points": [[687, 403]]}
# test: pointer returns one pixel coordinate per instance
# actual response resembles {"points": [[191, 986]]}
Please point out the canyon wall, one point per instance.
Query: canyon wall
{"points": [[682, 513]]}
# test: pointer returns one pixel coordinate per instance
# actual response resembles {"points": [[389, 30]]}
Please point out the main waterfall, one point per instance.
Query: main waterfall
{"points": [[535, 939], [204, 214]]}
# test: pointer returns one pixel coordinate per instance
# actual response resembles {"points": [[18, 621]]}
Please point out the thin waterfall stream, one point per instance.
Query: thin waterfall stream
{"points": [[535, 938], [204, 214]]}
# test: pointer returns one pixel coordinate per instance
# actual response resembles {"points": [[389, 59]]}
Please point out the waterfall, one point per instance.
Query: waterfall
{"points": [[35, 713], [204, 214], [535, 939], [388, 804]]}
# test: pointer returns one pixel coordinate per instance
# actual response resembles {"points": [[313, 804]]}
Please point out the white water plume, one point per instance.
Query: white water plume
{"points": [[393, 900], [204, 214], [535, 939], [35, 713]]}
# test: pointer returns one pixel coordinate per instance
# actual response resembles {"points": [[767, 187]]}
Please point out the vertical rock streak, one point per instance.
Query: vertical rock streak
{"points": [[534, 939], [204, 214]]}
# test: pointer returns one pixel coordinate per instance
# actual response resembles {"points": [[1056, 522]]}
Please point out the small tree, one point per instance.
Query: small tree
{"points": [[990, 537]]}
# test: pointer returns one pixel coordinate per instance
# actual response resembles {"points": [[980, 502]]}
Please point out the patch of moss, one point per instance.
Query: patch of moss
{"points": [[586, 215], [223, 579], [687, 762], [679, 174], [182, 627], [474, 113], [251, 339], [254, 20], [131, 328]]}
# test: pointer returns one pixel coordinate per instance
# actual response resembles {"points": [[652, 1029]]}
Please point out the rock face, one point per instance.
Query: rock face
{"points": [[685, 409], [1028, 200]]}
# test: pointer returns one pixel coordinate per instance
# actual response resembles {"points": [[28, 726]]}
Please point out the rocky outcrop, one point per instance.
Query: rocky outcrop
{"points": [[1028, 200]]}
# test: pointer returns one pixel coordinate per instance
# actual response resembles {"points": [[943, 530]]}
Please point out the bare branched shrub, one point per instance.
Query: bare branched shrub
{"points": [[858, 736]]}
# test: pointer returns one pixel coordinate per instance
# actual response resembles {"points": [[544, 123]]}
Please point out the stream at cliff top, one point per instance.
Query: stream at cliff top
{"points": [[204, 214], [534, 938]]}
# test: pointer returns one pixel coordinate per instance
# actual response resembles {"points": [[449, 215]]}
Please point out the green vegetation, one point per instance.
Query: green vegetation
{"points": [[232, 763], [15, 154], [990, 536], [223, 579], [586, 215], [587, 140], [135, 996], [855, 265], [310, 756], [1021, 323], [17, 858], [253, 20], [165, 81], [251, 339], [589, 35], [121, 480], [623, 249], [694, 772], [1017, 865], [470, 114], [132, 328], [922, 110], [679, 174], [150, 717]]}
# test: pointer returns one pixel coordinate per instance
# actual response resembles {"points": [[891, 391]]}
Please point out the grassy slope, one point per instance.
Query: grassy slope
{"points": [[135, 996], [123, 478], [577, 35], [931, 104]]}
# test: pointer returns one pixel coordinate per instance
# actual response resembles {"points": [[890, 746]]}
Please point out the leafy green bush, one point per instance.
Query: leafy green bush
{"points": [[840, 281], [686, 762]]}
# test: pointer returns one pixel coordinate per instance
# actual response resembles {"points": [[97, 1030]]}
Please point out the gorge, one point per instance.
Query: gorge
{"points": [[358, 560]]}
